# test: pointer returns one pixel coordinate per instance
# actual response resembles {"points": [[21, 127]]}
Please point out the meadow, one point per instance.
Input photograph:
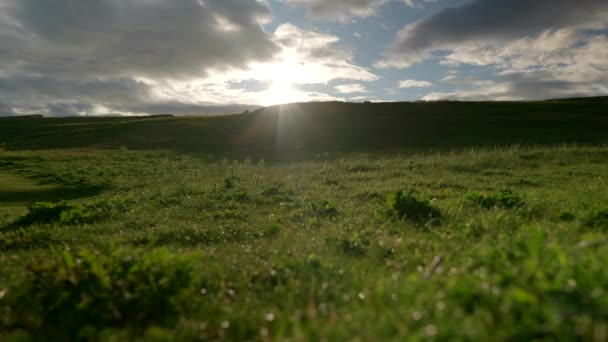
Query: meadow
{"points": [[263, 226]]}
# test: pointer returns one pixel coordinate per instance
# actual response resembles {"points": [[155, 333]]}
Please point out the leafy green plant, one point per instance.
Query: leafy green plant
{"points": [[406, 206], [84, 293], [502, 199]]}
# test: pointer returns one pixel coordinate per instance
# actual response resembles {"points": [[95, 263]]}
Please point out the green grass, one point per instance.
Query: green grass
{"points": [[439, 221], [339, 246], [18, 192]]}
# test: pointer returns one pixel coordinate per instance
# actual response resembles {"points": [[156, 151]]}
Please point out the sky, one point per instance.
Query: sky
{"points": [[132, 57]]}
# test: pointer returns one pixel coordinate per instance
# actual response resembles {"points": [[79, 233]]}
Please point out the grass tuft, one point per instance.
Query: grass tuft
{"points": [[501, 199]]}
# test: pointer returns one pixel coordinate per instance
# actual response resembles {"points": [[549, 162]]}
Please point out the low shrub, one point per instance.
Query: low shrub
{"points": [[42, 212], [406, 206], [65, 213]]}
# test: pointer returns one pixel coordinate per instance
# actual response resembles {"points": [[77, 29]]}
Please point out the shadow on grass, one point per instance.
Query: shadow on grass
{"points": [[45, 194], [17, 190]]}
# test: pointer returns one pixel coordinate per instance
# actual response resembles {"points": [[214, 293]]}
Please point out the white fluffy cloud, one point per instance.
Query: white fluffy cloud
{"points": [[351, 88], [414, 84], [554, 64], [309, 57]]}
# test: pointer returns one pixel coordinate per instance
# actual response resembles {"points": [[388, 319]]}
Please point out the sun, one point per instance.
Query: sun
{"points": [[283, 76], [280, 92]]}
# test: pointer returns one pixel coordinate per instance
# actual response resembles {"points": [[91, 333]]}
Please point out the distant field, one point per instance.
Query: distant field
{"points": [[352, 234]]}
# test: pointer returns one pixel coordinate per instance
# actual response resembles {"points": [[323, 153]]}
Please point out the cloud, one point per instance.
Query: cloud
{"points": [[132, 37], [181, 108], [520, 87], [6, 110], [68, 57], [415, 84], [310, 57], [538, 84], [345, 10], [76, 57], [21, 89], [350, 88], [60, 97], [537, 49], [546, 48], [306, 58], [555, 64], [490, 21], [340, 10], [300, 58], [417, 3]]}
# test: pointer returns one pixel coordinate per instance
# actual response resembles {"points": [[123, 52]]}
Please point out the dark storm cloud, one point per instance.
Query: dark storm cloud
{"points": [[496, 20], [6, 110], [541, 84], [22, 89], [147, 38]]}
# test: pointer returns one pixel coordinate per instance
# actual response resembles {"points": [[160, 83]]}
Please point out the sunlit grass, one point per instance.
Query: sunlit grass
{"points": [[324, 247]]}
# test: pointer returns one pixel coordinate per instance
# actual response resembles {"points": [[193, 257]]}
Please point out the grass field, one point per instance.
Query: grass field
{"points": [[457, 239]]}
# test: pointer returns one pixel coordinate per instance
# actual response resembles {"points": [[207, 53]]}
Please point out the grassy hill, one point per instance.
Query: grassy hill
{"points": [[322, 127], [218, 237]]}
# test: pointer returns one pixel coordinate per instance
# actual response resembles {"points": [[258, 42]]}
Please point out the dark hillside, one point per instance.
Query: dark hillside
{"points": [[331, 126]]}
